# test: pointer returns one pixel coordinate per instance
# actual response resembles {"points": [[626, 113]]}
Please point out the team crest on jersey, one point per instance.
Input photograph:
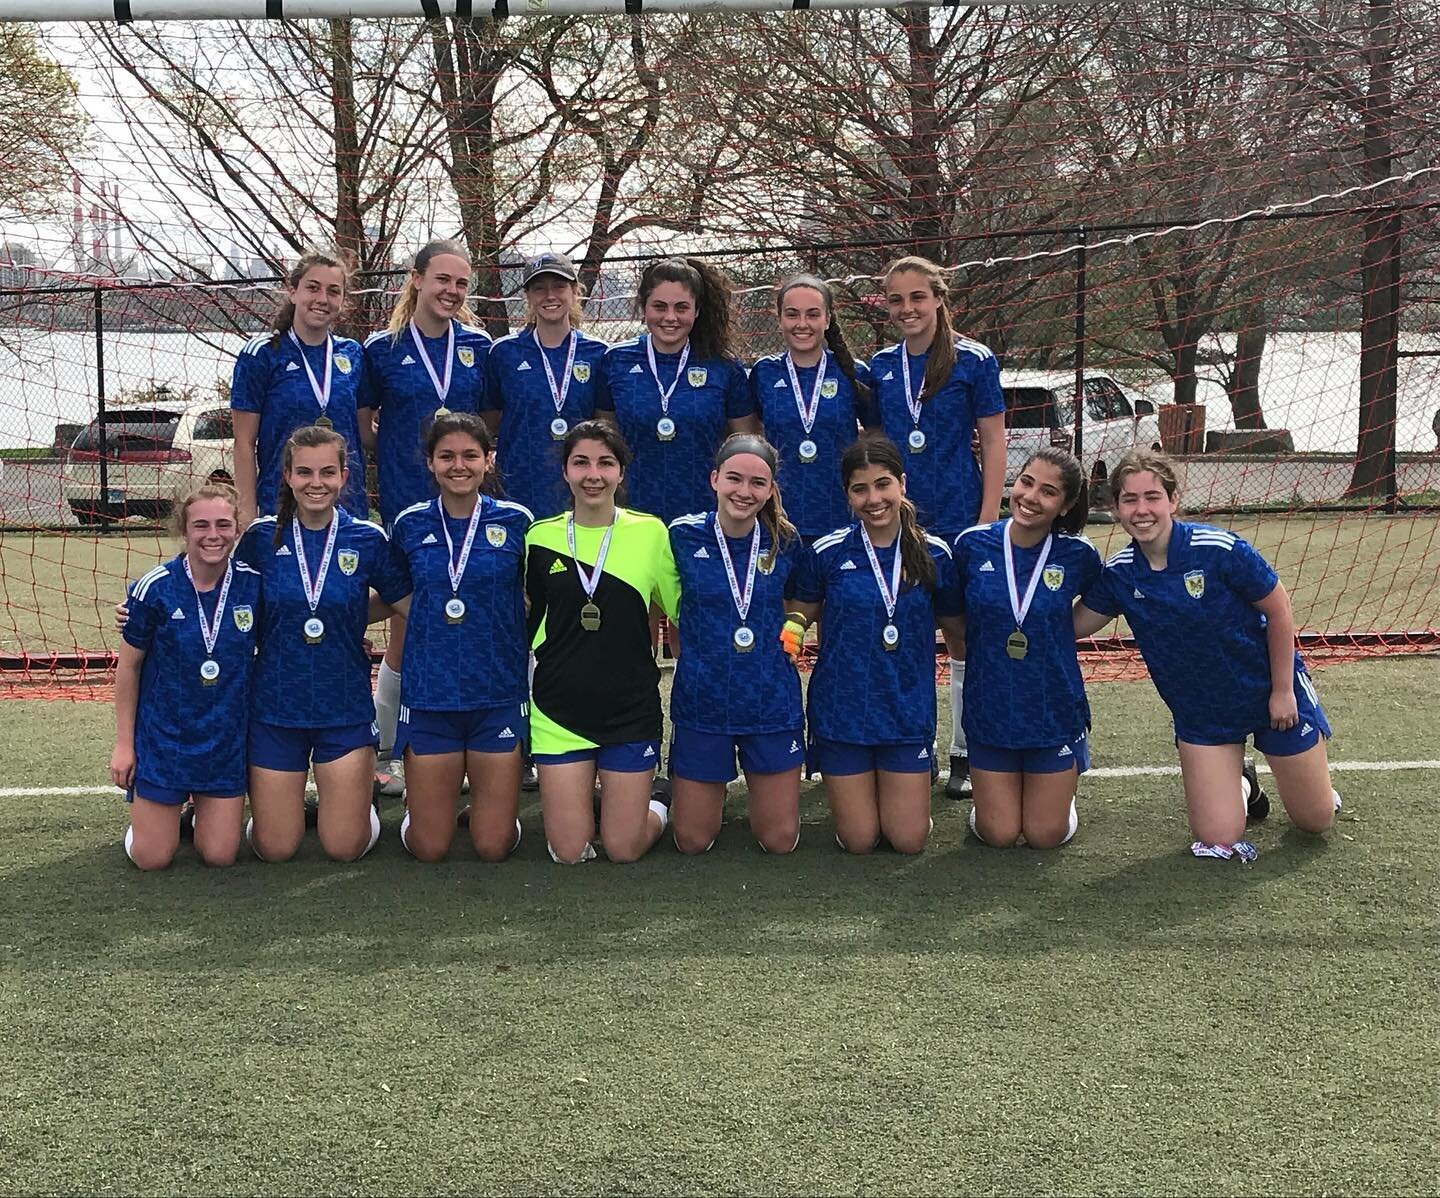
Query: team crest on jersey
{"points": [[1054, 577], [829, 389], [495, 535], [342, 363], [348, 560], [767, 565], [1195, 583], [466, 355], [581, 372], [244, 617], [696, 376]]}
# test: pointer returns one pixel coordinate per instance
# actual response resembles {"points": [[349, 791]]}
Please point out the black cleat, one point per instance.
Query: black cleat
{"points": [[312, 813], [529, 776], [1257, 803], [463, 819], [187, 820], [959, 785]]}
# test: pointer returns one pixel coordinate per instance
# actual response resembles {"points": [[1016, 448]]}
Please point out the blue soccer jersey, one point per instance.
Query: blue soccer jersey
{"points": [[537, 409], [190, 730], [1038, 700], [280, 384], [1199, 632], [810, 459], [398, 384], [479, 659], [862, 693], [308, 681], [673, 451], [941, 477], [718, 687]]}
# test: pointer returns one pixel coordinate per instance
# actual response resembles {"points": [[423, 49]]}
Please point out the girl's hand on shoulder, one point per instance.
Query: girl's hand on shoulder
{"points": [[122, 615]]}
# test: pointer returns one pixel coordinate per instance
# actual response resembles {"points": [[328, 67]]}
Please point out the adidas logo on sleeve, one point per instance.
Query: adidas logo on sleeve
{"points": [[987, 568]]}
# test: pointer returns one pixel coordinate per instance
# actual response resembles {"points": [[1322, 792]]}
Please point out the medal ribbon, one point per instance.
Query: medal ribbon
{"points": [[742, 603], [911, 401], [322, 394], [807, 411], [558, 393], [312, 594], [211, 633], [891, 593], [442, 389], [457, 568], [655, 373], [1020, 609], [589, 582]]}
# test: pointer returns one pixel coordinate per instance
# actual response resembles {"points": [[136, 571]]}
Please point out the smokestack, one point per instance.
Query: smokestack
{"points": [[94, 237]]}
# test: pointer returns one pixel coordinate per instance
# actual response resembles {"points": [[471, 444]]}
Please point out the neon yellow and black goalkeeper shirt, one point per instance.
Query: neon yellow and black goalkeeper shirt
{"points": [[601, 687]]}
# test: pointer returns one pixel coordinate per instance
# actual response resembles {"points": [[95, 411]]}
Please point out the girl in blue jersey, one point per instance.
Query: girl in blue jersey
{"points": [[735, 690], [312, 674], [677, 390], [812, 399], [431, 356], [882, 585], [590, 579], [464, 698], [540, 383], [1217, 632], [298, 375], [182, 689], [934, 391], [1025, 708]]}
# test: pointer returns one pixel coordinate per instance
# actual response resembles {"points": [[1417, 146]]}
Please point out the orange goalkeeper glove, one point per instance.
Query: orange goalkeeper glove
{"points": [[792, 635]]}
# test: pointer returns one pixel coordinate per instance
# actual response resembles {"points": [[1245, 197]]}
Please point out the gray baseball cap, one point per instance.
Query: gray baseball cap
{"points": [[550, 264]]}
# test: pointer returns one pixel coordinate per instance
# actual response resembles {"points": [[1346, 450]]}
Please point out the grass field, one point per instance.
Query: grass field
{"points": [[1115, 1018], [1344, 571]]}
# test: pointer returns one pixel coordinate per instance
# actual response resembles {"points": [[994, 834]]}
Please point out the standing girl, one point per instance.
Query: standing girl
{"points": [[312, 674], [882, 585], [735, 690], [1217, 633], [430, 357], [182, 688], [1026, 713], [298, 375], [935, 390], [464, 706], [590, 577], [676, 390], [540, 383], [811, 399]]}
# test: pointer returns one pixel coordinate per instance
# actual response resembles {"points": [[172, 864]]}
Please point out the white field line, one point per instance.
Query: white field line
{"points": [[1114, 771]]}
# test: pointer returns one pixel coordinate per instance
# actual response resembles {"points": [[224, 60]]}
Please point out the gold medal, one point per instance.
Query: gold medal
{"points": [[1017, 644], [590, 618]]}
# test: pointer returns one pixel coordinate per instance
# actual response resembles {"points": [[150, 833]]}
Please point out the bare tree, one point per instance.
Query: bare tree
{"points": [[40, 124]]}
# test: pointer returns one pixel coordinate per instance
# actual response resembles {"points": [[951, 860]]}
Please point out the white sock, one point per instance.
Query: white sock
{"points": [[404, 832], [663, 812], [387, 707], [974, 831], [587, 855], [130, 841], [1335, 794], [374, 830], [519, 833], [958, 745], [1074, 823]]}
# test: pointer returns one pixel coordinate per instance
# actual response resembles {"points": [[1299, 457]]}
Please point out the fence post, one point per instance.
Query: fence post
{"points": [[1080, 345], [102, 506], [1392, 368]]}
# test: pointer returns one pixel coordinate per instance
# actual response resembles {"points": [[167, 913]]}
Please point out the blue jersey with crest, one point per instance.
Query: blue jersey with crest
{"points": [[528, 453], [190, 736], [672, 478], [814, 495], [943, 479], [272, 382], [481, 661], [717, 688], [325, 685], [1198, 630], [398, 387], [860, 692], [1037, 701]]}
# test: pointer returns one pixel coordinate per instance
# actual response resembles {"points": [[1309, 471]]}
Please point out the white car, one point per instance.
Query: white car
{"points": [[154, 453], [1040, 410]]}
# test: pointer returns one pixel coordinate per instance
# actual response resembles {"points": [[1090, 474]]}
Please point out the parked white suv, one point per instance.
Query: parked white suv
{"points": [[154, 453], [1040, 410]]}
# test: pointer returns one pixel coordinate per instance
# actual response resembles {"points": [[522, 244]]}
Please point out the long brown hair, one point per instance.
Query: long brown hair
{"points": [[472, 426], [713, 335], [772, 512], [308, 436], [1072, 479], [942, 349], [285, 317], [834, 334], [916, 564], [404, 309]]}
